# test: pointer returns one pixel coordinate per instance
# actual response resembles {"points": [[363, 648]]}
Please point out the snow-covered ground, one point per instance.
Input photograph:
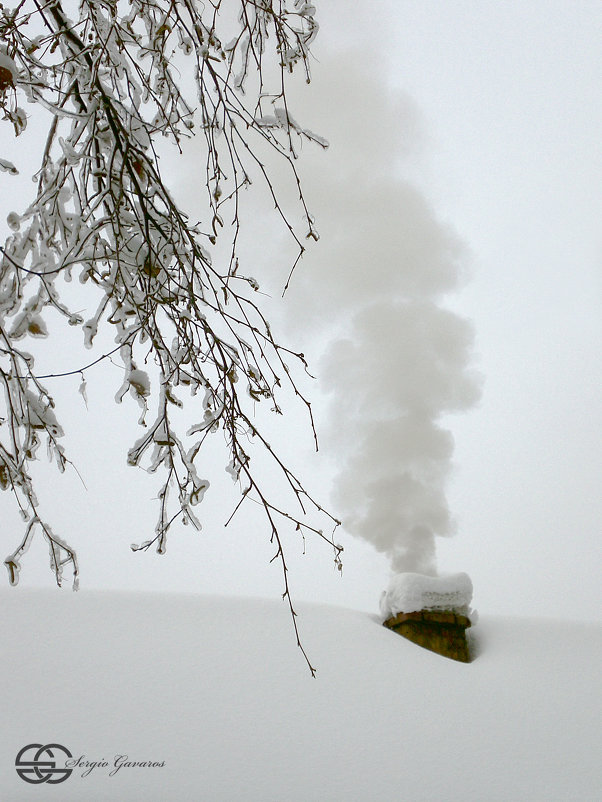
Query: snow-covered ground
{"points": [[216, 690]]}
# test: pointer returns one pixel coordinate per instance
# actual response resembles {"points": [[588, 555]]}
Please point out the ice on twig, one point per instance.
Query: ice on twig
{"points": [[8, 167]]}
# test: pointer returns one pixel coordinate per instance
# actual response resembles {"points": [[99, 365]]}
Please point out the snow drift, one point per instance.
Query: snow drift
{"points": [[216, 689]]}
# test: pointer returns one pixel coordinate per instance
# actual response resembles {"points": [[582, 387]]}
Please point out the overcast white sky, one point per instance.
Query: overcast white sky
{"points": [[493, 113], [511, 100]]}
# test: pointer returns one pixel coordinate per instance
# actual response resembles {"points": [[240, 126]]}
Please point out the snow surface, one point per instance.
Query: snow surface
{"points": [[409, 592], [217, 690]]}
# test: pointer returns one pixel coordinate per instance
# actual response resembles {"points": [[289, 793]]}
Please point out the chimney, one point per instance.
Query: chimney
{"points": [[433, 612]]}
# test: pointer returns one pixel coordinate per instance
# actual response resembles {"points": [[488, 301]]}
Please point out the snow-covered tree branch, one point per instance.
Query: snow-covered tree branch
{"points": [[109, 75]]}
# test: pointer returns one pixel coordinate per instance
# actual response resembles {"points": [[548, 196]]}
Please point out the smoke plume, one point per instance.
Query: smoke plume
{"points": [[400, 360]]}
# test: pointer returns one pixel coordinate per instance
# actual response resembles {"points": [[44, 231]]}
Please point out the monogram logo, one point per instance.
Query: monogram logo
{"points": [[36, 764]]}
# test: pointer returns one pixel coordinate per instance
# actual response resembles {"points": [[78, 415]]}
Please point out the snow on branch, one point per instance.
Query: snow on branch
{"points": [[103, 212]]}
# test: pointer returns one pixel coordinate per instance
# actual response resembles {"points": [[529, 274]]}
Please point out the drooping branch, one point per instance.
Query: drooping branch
{"points": [[110, 80]]}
